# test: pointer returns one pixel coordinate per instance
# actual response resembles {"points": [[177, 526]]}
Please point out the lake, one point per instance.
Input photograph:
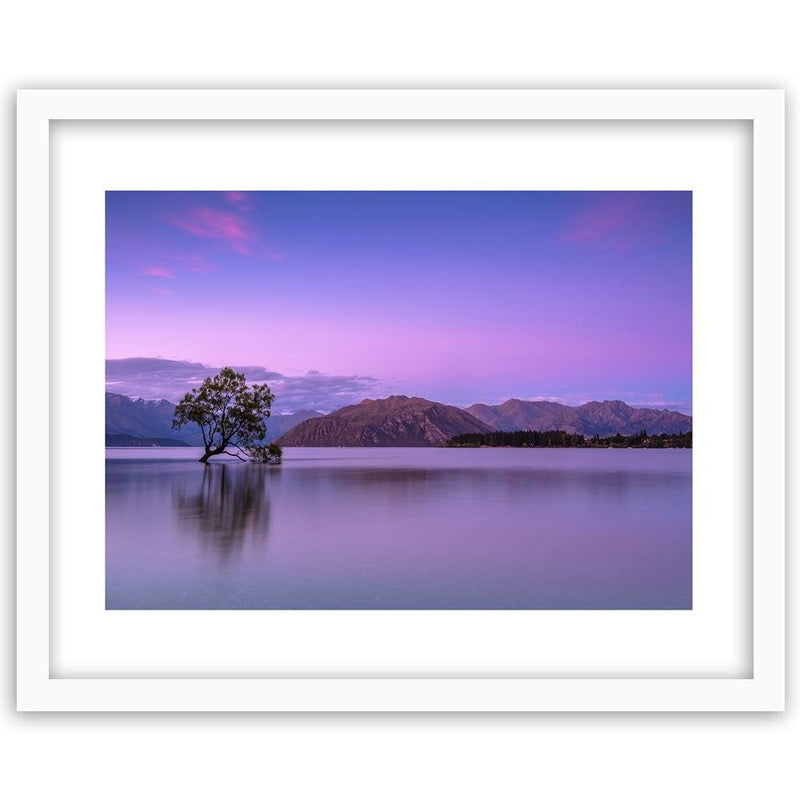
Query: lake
{"points": [[400, 528]]}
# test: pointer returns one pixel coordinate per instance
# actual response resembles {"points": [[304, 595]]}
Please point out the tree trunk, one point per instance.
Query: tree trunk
{"points": [[210, 452]]}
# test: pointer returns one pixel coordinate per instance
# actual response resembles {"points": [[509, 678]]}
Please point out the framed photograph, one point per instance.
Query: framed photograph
{"points": [[400, 400]]}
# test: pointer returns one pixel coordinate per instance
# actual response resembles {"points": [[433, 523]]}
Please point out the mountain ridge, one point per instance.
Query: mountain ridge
{"points": [[594, 418]]}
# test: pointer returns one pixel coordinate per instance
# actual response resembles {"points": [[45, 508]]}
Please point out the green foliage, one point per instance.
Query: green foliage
{"points": [[257, 453], [227, 411], [264, 454]]}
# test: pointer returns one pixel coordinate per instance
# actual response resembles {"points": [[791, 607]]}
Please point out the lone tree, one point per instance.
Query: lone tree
{"points": [[228, 413]]}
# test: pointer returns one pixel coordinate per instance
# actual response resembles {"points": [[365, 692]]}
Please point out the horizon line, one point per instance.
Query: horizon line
{"points": [[439, 402]]}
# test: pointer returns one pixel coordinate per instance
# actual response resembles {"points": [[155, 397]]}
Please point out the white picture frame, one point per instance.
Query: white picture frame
{"points": [[43, 687]]}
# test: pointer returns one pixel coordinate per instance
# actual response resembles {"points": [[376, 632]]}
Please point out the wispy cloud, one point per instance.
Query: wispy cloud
{"points": [[611, 221], [160, 378], [212, 223], [546, 399], [240, 200], [226, 221]]}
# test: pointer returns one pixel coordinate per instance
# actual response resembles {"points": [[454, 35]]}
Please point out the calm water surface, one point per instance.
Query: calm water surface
{"points": [[403, 528]]}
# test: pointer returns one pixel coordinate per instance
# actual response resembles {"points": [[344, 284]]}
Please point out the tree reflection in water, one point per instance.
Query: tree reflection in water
{"points": [[231, 504]]}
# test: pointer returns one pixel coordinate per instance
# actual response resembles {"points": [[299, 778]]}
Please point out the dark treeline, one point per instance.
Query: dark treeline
{"points": [[564, 439]]}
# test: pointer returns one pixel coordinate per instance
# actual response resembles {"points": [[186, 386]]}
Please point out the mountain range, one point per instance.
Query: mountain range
{"points": [[606, 418], [396, 421], [152, 419]]}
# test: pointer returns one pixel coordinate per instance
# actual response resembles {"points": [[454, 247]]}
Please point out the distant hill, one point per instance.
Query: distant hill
{"points": [[146, 419], [605, 418], [124, 440], [152, 419], [279, 424], [396, 421]]}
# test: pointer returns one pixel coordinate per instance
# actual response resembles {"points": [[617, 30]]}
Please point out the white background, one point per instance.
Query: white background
{"points": [[611, 44]]}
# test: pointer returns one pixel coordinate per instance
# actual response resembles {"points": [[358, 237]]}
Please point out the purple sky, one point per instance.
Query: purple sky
{"points": [[459, 297]]}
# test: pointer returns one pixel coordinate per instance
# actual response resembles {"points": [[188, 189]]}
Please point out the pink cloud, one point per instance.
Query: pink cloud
{"points": [[611, 222], [239, 199], [157, 272], [211, 223]]}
